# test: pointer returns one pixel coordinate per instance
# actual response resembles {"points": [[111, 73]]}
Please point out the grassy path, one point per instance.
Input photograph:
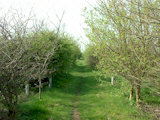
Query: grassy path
{"points": [[76, 114], [81, 97]]}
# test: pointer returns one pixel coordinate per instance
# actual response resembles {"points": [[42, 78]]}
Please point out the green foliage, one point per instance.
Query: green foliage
{"points": [[123, 35], [38, 55], [28, 58], [89, 56], [42, 50], [67, 53]]}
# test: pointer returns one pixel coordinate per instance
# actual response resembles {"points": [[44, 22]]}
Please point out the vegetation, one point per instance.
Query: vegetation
{"points": [[80, 89], [124, 49], [66, 54], [89, 56], [28, 54], [127, 41]]}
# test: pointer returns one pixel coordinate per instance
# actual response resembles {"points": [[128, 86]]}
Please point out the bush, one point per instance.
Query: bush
{"points": [[89, 56]]}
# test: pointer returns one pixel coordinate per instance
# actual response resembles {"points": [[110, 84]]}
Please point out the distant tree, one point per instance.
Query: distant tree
{"points": [[90, 57], [66, 54]]}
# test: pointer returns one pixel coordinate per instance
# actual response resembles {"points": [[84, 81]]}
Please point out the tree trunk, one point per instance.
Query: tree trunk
{"points": [[131, 91], [27, 89], [11, 114], [40, 85], [12, 109], [138, 87], [50, 82]]}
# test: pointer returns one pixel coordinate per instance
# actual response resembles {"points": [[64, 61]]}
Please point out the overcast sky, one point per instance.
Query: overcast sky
{"points": [[43, 9]]}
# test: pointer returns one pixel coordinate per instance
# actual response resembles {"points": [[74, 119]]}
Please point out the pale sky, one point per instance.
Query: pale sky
{"points": [[74, 22]]}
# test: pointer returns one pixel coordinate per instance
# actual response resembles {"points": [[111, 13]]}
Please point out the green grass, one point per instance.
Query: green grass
{"points": [[56, 103], [99, 101], [95, 101]]}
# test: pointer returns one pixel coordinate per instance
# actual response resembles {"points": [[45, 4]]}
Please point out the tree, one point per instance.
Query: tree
{"points": [[22, 57], [89, 56], [42, 50], [126, 34], [14, 60], [66, 54]]}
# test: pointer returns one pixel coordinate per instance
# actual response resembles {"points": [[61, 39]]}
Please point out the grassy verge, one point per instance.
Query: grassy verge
{"points": [[96, 101], [56, 103], [99, 101]]}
